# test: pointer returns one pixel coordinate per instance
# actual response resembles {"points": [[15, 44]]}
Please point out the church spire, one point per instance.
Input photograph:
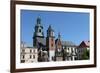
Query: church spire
{"points": [[38, 32], [38, 28], [38, 20], [59, 36], [50, 32]]}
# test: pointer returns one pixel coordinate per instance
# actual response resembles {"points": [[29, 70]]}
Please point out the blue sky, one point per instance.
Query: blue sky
{"points": [[73, 26]]}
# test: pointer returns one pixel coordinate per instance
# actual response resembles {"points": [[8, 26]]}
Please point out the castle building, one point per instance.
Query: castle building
{"points": [[48, 48], [28, 54], [83, 50], [70, 50]]}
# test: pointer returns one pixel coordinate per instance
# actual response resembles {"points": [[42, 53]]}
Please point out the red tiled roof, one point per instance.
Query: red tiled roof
{"points": [[84, 44], [87, 43]]}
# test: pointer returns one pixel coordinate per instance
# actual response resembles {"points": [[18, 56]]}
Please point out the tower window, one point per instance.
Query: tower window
{"points": [[39, 30], [52, 45]]}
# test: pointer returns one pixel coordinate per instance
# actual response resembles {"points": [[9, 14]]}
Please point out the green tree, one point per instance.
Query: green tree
{"points": [[86, 55]]}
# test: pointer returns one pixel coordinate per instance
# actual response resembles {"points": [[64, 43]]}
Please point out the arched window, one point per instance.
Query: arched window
{"points": [[39, 30]]}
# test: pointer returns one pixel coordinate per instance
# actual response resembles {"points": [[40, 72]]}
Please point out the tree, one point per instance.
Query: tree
{"points": [[86, 54]]}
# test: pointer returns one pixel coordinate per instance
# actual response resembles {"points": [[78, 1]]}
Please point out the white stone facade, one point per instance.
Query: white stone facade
{"points": [[28, 55], [71, 53], [51, 55]]}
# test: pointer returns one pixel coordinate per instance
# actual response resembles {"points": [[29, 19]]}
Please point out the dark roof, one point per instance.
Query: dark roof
{"points": [[50, 28], [68, 43], [84, 44], [42, 41], [57, 40]]}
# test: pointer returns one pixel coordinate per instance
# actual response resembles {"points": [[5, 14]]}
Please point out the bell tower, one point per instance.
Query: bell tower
{"points": [[50, 43], [58, 42], [38, 33]]}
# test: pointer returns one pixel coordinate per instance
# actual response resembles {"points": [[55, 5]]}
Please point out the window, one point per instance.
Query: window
{"points": [[30, 51], [23, 56], [30, 56], [72, 50], [39, 30], [68, 48], [23, 50], [22, 61], [52, 45], [34, 51], [33, 56]]}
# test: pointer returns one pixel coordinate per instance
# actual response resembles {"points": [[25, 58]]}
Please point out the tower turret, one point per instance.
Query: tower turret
{"points": [[50, 43], [38, 33], [38, 28], [58, 42]]}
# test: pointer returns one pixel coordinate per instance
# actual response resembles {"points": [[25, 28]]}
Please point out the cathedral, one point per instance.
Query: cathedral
{"points": [[49, 47]]}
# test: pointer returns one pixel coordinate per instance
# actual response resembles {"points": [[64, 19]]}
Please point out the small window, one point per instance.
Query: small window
{"points": [[23, 50], [23, 56], [22, 61], [33, 56], [68, 48], [30, 51], [52, 45], [39, 30], [34, 51], [30, 56]]}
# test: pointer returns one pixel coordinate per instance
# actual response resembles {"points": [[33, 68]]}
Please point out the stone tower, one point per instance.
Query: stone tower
{"points": [[50, 43], [59, 56], [38, 34]]}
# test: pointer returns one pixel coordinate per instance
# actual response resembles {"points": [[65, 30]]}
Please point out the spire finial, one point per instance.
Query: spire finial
{"points": [[39, 20], [49, 26], [59, 36]]}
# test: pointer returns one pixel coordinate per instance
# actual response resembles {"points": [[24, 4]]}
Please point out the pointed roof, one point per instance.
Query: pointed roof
{"points": [[84, 44], [50, 28], [58, 39], [59, 36], [38, 20], [87, 43]]}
